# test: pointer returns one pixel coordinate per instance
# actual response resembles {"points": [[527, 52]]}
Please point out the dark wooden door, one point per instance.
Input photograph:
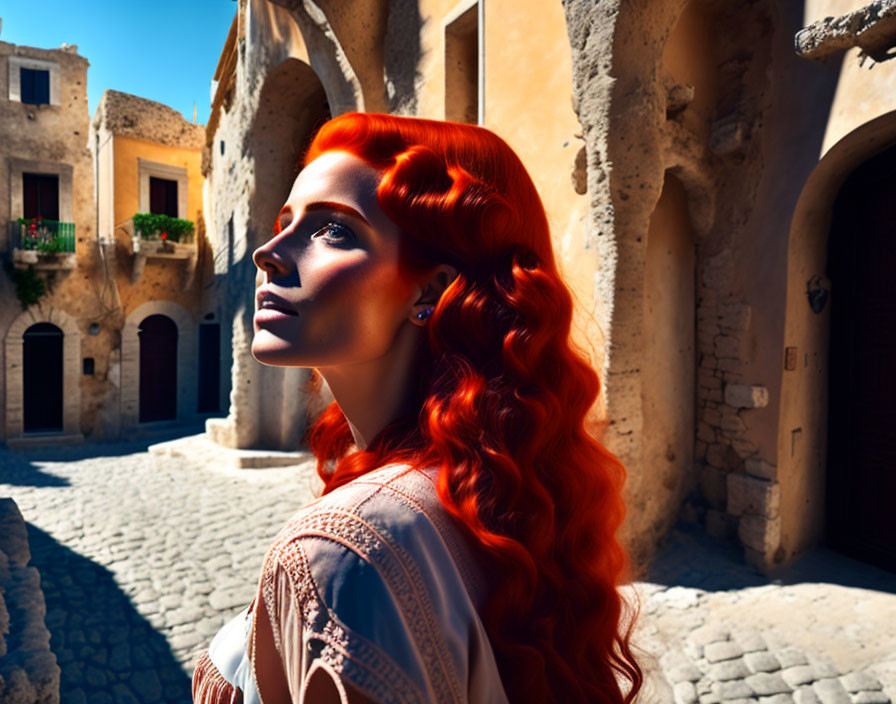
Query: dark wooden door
{"points": [[862, 417], [42, 378], [209, 367], [40, 194], [158, 369]]}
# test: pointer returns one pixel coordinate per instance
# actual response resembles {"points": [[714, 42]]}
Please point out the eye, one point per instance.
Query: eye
{"points": [[335, 232]]}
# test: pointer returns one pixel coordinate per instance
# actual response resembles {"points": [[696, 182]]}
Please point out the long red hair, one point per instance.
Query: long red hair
{"points": [[503, 401]]}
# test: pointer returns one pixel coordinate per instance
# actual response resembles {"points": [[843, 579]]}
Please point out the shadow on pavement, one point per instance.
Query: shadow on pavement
{"points": [[106, 650], [691, 558], [16, 466], [18, 469]]}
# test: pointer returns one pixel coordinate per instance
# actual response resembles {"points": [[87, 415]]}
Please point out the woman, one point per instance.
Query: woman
{"points": [[463, 548]]}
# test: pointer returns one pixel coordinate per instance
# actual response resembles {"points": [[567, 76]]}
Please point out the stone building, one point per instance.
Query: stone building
{"points": [[716, 177], [46, 203], [166, 365], [106, 331]]}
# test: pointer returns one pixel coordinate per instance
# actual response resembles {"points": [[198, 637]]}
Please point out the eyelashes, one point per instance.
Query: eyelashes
{"points": [[333, 231]]}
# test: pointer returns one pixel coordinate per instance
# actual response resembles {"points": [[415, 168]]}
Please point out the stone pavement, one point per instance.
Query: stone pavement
{"points": [[144, 556]]}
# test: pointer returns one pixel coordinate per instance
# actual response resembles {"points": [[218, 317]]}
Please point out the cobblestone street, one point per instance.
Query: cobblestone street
{"points": [[143, 557]]}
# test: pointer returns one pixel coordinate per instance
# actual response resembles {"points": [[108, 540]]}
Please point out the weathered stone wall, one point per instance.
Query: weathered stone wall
{"points": [[267, 100], [51, 139], [670, 183], [28, 670]]}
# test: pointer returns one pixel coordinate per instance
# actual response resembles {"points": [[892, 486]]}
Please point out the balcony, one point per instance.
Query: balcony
{"points": [[44, 244], [161, 237]]}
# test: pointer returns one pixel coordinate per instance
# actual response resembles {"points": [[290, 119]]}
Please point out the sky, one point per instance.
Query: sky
{"points": [[164, 50]]}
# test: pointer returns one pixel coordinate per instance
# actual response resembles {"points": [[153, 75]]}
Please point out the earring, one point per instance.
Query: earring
{"points": [[424, 314]]}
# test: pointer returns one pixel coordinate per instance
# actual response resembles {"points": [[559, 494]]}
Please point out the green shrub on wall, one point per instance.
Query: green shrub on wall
{"points": [[153, 226], [29, 286]]}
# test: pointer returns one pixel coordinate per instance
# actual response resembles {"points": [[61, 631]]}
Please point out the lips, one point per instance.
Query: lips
{"points": [[266, 300]]}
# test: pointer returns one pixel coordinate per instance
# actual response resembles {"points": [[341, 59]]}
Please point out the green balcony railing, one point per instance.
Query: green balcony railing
{"points": [[42, 235]]}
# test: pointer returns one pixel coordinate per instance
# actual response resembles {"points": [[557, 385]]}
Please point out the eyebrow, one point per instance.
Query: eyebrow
{"points": [[339, 207]]}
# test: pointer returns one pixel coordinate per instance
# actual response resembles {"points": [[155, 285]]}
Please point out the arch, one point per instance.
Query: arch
{"points": [[71, 378], [803, 416], [265, 408], [187, 332]]}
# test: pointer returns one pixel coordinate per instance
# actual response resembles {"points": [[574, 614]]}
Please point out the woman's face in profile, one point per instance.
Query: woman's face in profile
{"points": [[332, 294]]}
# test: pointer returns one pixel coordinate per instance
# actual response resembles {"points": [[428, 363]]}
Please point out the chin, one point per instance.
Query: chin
{"points": [[273, 355]]}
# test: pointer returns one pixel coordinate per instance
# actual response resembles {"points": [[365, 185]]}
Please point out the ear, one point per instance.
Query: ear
{"points": [[430, 290]]}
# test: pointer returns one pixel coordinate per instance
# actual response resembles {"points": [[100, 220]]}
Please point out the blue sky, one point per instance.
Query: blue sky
{"points": [[164, 50]]}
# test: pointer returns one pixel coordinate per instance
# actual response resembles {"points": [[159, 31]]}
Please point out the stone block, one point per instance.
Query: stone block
{"points": [[872, 697], [735, 689], [757, 467], [735, 316], [762, 661], [728, 670], [684, 673], [743, 447], [751, 496], [685, 693], [709, 634], [760, 533], [723, 650], [776, 699], [805, 695], [798, 675], [750, 641], [766, 684], [830, 691], [858, 681], [726, 346], [791, 657], [746, 396], [732, 422], [13, 534]]}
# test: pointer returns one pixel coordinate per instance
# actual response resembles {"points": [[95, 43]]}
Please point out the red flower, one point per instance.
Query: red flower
{"points": [[164, 235], [40, 217], [32, 227]]}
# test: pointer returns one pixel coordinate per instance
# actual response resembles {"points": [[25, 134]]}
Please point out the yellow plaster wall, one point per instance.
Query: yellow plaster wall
{"points": [[126, 151], [528, 102], [161, 279]]}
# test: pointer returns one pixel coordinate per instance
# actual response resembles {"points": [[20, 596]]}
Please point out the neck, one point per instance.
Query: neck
{"points": [[375, 393]]}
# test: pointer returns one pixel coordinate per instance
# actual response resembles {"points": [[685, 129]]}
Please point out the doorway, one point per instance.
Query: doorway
{"points": [[158, 369], [861, 474], [42, 378]]}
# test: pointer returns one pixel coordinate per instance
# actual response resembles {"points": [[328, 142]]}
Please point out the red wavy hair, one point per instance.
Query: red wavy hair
{"points": [[503, 398]]}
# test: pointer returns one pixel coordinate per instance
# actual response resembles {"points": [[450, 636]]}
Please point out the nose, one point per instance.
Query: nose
{"points": [[269, 260]]}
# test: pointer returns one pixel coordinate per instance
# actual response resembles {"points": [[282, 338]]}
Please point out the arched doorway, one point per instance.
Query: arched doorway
{"points": [[42, 378], [158, 368], [861, 480], [668, 382]]}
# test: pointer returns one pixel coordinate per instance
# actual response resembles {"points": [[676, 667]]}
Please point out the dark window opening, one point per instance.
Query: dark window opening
{"points": [[40, 193], [88, 365], [162, 196], [35, 86]]}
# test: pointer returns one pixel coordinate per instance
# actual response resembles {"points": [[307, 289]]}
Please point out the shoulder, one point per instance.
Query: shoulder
{"points": [[391, 519], [384, 505]]}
